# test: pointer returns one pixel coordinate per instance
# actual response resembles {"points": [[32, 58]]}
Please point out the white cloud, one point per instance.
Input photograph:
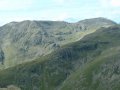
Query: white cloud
{"points": [[115, 3], [59, 16], [15, 4], [104, 3], [62, 16], [110, 3], [61, 2]]}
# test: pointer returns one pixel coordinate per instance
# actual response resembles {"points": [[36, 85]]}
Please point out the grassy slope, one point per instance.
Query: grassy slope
{"points": [[49, 72], [95, 76], [103, 72]]}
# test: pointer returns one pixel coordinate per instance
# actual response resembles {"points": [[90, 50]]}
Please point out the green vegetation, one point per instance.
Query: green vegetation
{"points": [[89, 64], [100, 74]]}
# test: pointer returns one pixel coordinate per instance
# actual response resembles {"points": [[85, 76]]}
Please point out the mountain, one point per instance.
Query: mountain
{"points": [[96, 23], [91, 63], [27, 40], [103, 72]]}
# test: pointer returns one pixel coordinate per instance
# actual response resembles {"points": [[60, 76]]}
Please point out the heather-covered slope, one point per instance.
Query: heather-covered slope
{"points": [[89, 64]]}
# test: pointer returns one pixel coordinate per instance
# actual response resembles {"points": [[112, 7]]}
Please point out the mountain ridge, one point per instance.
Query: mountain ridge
{"points": [[27, 40]]}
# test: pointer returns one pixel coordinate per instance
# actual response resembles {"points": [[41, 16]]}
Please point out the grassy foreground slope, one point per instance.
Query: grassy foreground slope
{"points": [[89, 64], [101, 74]]}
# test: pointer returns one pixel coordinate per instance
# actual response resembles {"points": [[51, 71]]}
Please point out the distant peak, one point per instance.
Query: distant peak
{"points": [[97, 20]]}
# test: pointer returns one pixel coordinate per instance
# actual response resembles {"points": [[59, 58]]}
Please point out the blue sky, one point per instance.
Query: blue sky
{"points": [[67, 10]]}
